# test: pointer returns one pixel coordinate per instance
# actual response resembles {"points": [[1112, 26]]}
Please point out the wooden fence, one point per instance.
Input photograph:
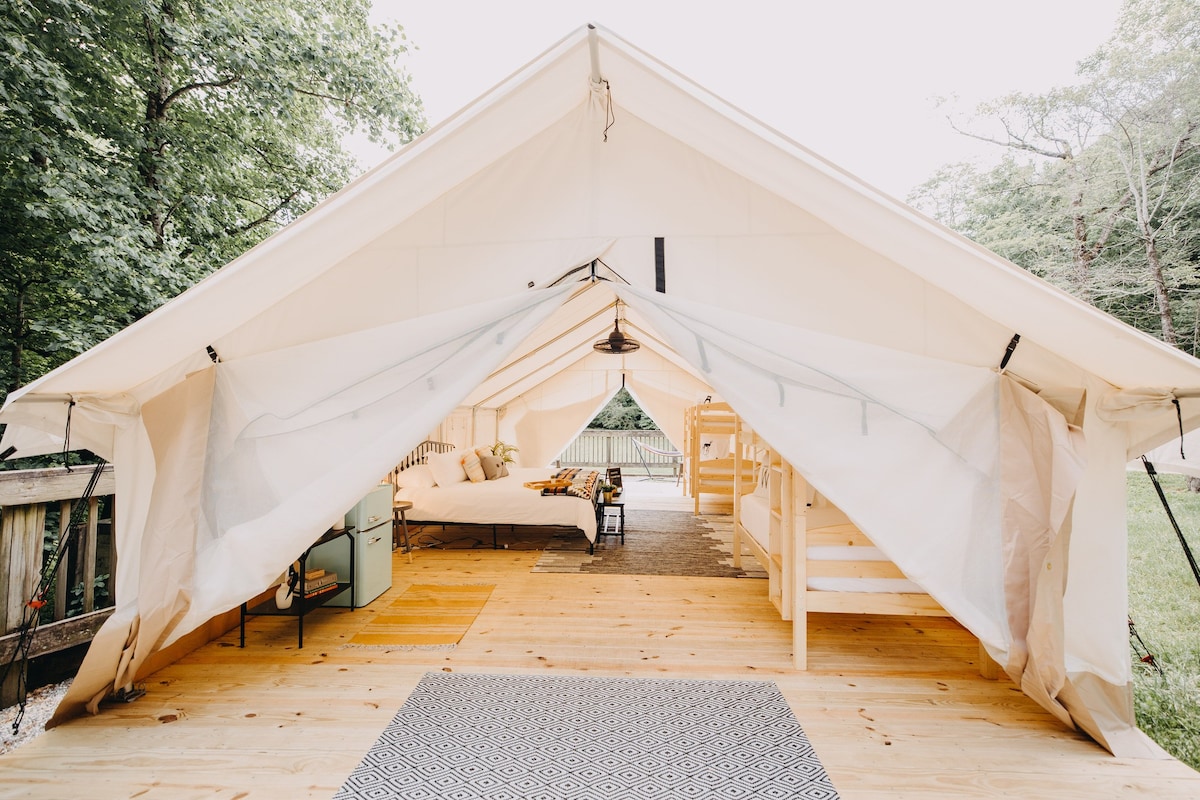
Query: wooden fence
{"points": [[35, 515], [616, 449]]}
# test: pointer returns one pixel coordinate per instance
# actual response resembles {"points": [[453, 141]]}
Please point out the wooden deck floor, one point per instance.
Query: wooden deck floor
{"points": [[895, 707]]}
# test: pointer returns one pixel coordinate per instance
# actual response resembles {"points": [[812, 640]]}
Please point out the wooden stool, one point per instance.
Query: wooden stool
{"points": [[398, 519]]}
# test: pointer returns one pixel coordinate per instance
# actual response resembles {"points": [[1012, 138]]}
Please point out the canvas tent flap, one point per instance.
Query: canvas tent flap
{"points": [[77, 421], [999, 465], [254, 457], [284, 458], [1180, 456], [546, 418]]}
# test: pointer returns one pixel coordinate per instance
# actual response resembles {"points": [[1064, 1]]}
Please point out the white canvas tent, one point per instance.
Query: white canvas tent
{"points": [[1180, 456], [858, 337]]}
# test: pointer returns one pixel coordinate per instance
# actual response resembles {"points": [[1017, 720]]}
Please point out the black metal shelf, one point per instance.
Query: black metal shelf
{"points": [[302, 605]]}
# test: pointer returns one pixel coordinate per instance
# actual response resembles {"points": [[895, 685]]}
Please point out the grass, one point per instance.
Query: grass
{"points": [[1164, 602]]}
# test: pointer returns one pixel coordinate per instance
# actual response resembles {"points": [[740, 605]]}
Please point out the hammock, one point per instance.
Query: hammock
{"points": [[675, 455]]}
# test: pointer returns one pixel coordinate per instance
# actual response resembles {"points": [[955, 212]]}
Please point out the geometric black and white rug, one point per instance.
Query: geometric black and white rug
{"points": [[519, 737]]}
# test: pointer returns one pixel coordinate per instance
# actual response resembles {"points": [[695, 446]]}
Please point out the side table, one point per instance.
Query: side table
{"points": [[602, 517]]}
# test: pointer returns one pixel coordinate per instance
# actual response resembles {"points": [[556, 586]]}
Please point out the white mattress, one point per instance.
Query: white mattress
{"points": [[504, 501], [756, 519]]}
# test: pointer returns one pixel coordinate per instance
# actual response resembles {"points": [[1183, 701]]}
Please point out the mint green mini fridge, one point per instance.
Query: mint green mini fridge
{"points": [[371, 519]]}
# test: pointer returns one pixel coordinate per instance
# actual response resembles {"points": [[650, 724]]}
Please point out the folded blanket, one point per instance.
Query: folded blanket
{"points": [[584, 483]]}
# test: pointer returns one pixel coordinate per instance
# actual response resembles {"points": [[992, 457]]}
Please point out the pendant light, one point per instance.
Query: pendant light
{"points": [[616, 343]]}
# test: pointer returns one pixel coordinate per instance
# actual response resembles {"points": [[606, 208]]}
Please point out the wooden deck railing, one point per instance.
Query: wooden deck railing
{"points": [[35, 514], [616, 448]]}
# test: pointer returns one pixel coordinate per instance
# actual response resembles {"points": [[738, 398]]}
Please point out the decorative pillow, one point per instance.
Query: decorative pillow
{"points": [[763, 489], [471, 465], [415, 477], [447, 468], [493, 467]]}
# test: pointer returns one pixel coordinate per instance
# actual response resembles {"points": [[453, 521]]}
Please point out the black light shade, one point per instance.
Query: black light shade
{"points": [[617, 342]]}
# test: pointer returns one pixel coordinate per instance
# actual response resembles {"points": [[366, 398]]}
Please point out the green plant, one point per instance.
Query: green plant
{"points": [[1164, 603], [505, 451], [99, 596]]}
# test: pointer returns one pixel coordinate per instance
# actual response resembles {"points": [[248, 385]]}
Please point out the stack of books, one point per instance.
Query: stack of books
{"points": [[317, 581]]}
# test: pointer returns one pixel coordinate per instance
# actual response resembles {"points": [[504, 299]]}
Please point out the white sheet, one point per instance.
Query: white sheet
{"points": [[504, 501]]}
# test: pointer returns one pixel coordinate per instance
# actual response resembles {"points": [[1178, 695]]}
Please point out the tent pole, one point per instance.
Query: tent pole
{"points": [[594, 52]]}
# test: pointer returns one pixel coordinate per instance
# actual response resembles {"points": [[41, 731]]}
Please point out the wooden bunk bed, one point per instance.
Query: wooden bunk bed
{"points": [[817, 560], [708, 467]]}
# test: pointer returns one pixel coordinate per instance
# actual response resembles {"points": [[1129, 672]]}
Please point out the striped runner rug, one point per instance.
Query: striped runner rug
{"points": [[425, 616]]}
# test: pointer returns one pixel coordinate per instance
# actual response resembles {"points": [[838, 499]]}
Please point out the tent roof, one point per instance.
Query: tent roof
{"points": [[251, 305]]}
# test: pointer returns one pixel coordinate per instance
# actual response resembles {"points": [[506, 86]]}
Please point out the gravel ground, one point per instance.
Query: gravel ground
{"points": [[38, 710]]}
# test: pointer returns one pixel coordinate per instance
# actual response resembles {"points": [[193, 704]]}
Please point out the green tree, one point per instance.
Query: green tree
{"points": [[56, 200], [144, 144], [622, 413], [1098, 191], [1144, 85]]}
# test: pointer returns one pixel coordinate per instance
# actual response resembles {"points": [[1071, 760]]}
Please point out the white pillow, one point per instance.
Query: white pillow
{"points": [[763, 487], [447, 468], [415, 477]]}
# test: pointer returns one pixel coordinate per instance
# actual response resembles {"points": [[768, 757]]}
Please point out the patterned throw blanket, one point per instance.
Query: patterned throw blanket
{"points": [[584, 484]]}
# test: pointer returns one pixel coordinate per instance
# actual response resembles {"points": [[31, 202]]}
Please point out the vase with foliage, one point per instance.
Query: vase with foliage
{"points": [[505, 451]]}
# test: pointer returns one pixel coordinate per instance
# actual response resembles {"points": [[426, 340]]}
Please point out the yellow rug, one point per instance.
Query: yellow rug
{"points": [[425, 616]]}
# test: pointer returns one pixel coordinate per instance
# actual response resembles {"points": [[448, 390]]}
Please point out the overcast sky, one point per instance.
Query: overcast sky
{"points": [[854, 80]]}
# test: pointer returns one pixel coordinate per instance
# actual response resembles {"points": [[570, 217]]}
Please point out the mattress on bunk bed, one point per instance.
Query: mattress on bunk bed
{"points": [[756, 520], [755, 517]]}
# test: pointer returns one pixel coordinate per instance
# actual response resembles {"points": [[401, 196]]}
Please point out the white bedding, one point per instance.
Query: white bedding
{"points": [[503, 501], [756, 519]]}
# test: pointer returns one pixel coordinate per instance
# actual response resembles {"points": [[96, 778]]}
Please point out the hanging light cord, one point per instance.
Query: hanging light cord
{"points": [[609, 117]]}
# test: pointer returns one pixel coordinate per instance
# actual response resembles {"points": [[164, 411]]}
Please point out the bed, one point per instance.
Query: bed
{"points": [[501, 501], [708, 466], [817, 560]]}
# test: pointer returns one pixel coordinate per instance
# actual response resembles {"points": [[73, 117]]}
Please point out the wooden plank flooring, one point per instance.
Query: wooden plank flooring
{"points": [[894, 706]]}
